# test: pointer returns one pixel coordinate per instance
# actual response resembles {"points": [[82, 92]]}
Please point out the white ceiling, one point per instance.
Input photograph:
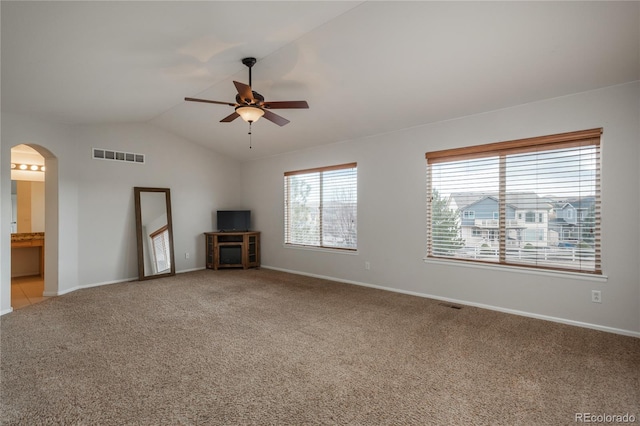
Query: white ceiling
{"points": [[364, 67]]}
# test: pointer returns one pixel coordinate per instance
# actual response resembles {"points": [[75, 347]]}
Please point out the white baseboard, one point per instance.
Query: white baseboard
{"points": [[598, 327], [6, 311], [190, 270], [90, 285]]}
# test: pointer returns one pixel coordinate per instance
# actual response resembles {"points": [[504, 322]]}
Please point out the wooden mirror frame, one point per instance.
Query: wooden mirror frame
{"points": [[140, 231]]}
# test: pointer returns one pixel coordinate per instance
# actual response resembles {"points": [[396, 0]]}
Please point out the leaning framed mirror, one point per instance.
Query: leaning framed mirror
{"points": [[154, 232]]}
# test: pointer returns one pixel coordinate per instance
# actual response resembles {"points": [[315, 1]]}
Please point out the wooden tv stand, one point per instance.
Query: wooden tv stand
{"points": [[232, 249]]}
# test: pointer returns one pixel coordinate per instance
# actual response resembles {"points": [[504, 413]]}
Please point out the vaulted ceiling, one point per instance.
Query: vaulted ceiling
{"points": [[365, 68]]}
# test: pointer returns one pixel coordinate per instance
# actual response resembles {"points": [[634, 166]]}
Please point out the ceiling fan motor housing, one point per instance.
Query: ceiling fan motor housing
{"points": [[258, 99]]}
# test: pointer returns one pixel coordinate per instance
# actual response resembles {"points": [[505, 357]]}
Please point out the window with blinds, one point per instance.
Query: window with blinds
{"points": [[321, 207], [530, 202], [161, 253]]}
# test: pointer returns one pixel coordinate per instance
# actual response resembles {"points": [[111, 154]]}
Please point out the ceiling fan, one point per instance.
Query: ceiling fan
{"points": [[251, 105]]}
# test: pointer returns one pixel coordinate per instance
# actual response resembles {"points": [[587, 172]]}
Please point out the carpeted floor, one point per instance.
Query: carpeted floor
{"points": [[268, 348]]}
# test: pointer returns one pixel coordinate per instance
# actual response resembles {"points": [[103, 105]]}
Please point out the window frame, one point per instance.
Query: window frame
{"points": [[578, 139], [321, 223]]}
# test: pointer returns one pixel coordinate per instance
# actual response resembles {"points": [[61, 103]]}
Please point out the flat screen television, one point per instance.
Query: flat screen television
{"points": [[234, 220]]}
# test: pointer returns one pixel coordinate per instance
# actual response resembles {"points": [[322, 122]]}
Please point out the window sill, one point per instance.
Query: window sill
{"points": [[322, 249], [520, 269]]}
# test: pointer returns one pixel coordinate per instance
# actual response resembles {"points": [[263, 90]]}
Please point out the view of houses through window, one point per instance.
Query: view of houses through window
{"points": [[532, 202], [321, 207]]}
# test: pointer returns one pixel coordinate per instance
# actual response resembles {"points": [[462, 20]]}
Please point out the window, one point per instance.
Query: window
{"points": [[320, 207], [530, 217], [469, 214], [161, 253], [530, 176]]}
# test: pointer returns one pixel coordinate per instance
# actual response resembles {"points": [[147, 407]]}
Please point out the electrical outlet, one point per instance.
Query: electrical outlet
{"points": [[186, 255], [596, 296], [367, 265]]}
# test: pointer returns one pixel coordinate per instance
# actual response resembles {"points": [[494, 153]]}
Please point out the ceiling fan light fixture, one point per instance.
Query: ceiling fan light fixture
{"points": [[250, 114]]}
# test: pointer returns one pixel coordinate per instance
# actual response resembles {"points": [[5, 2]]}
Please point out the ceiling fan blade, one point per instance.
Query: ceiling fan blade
{"points": [[245, 92], [229, 118], [286, 104], [208, 101], [280, 121]]}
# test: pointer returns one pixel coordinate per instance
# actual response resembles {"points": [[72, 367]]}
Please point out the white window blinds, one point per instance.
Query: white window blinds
{"points": [[321, 207], [161, 253], [546, 192]]}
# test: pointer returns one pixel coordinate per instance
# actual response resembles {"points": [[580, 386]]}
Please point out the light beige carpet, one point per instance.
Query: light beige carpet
{"points": [[269, 348]]}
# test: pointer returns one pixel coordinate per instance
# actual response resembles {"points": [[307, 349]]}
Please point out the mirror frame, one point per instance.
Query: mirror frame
{"points": [[139, 231]]}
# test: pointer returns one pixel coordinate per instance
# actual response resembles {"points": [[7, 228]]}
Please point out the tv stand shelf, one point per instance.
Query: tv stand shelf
{"points": [[232, 249]]}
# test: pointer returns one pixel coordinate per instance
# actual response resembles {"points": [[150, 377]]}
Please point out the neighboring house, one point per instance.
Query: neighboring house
{"points": [[527, 219], [572, 220]]}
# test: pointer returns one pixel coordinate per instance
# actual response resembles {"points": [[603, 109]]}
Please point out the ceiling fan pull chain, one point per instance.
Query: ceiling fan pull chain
{"points": [[250, 135]]}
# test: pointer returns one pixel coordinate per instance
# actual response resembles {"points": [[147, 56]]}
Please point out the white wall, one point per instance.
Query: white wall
{"points": [[5, 229], [200, 182], [96, 239], [392, 219]]}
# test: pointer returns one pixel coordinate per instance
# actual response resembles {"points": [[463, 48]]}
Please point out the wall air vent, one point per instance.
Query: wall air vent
{"points": [[109, 154]]}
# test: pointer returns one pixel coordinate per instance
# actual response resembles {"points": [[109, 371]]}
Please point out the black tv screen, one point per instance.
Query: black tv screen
{"points": [[234, 220]]}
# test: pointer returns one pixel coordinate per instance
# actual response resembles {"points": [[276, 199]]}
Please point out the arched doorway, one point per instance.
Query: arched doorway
{"points": [[35, 169]]}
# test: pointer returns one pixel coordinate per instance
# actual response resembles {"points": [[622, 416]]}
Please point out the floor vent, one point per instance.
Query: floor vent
{"points": [[109, 154], [450, 305]]}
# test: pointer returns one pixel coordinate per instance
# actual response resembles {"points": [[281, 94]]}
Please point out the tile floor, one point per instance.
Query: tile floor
{"points": [[26, 291]]}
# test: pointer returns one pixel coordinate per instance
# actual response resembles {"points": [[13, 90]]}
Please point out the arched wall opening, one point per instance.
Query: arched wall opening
{"points": [[51, 222]]}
